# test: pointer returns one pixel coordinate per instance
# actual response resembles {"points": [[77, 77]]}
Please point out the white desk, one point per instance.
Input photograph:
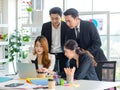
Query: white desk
{"points": [[90, 85], [83, 85]]}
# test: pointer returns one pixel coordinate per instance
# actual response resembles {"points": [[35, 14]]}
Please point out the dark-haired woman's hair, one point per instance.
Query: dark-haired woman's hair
{"points": [[43, 41], [72, 45]]}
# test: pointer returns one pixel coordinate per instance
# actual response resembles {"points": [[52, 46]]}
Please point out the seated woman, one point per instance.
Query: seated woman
{"points": [[44, 62], [79, 59]]}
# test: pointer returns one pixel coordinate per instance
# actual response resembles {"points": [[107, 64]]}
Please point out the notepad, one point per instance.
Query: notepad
{"points": [[3, 79]]}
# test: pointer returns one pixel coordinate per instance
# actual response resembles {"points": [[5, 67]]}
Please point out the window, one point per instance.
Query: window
{"points": [[80, 5], [48, 4]]}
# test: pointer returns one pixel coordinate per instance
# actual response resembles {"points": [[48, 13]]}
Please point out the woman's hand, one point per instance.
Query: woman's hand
{"points": [[45, 70], [69, 71], [42, 70]]}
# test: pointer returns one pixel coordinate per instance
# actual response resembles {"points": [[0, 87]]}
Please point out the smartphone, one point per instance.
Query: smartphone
{"points": [[14, 84]]}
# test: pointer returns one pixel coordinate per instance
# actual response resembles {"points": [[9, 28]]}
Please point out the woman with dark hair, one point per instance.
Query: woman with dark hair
{"points": [[79, 59], [44, 62]]}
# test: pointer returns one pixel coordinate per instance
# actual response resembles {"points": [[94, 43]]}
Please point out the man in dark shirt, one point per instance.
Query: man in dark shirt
{"points": [[85, 33]]}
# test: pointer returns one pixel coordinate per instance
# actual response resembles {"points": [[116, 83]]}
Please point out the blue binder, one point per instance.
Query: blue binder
{"points": [[3, 79], [40, 81]]}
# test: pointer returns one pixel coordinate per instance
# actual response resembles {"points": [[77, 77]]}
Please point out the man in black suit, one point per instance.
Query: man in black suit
{"points": [[55, 31], [85, 33]]}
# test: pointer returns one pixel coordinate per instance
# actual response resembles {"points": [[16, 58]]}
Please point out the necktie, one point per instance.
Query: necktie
{"points": [[68, 63], [77, 32]]}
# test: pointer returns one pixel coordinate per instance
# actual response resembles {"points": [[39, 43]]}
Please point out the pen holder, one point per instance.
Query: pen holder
{"points": [[70, 78], [51, 84]]}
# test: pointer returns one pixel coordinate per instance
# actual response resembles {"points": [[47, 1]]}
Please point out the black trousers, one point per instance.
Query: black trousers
{"points": [[60, 62]]}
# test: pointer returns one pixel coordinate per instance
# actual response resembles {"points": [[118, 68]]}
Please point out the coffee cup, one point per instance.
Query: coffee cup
{"points": [[51, 84]]}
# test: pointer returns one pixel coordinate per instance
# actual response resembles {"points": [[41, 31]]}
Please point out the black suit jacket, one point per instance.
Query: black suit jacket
{"points": [[88, 39], [47, 32]]}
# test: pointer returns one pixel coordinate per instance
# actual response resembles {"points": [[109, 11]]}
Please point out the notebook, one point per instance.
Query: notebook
{"points": [[26, 70]]}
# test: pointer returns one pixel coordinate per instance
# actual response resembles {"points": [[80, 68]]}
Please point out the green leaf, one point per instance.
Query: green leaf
{"points": [[29, 9], [4, 36], [3, 62], [6, 56], [24, 54], [11, 59], [26, 38], [11, 51]]}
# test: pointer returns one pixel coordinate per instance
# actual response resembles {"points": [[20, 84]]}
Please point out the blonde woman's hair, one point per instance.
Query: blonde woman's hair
{"points": [[43, 41]]}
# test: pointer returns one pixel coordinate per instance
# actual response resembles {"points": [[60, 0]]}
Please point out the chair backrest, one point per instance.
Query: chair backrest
{"points": [[106, 70]]}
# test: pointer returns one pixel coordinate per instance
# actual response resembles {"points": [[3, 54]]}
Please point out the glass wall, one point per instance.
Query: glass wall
{"points": [[48, 4], [106, 5], [80, 5]]}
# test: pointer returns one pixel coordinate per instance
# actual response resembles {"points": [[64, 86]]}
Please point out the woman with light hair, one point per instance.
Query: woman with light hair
{"points": [[44, 62]]}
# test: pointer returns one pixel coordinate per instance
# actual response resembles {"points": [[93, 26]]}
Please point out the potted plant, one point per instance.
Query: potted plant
{"points": [[14, 49], [16, 40], [15, 43]]}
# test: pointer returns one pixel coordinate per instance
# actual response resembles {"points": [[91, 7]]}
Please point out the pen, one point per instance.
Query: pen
{"points": [[36, 88]]}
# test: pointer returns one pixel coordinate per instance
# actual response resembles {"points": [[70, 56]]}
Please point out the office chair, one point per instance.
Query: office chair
{"points": [[106, 71]]}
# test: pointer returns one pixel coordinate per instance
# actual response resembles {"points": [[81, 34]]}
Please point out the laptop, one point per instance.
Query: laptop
{"points": [[26, 70]]}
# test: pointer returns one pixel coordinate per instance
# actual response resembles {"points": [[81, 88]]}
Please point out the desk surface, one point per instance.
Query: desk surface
{"points": [[82, 85], [90, 85]]}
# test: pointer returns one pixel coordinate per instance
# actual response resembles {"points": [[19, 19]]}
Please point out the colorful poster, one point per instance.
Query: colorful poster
{"points": [[98, 23]]}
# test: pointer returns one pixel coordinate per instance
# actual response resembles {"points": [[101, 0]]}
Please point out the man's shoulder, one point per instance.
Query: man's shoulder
{"points": [[47, 23], [86, 23], [46, 26], [64, 24]]}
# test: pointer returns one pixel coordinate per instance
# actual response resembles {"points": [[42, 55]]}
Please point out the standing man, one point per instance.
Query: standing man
{"points": [[85, 33], [55, 31]]}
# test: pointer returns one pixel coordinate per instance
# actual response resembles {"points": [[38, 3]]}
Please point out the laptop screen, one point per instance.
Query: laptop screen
{"points": [[26, 70]]}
